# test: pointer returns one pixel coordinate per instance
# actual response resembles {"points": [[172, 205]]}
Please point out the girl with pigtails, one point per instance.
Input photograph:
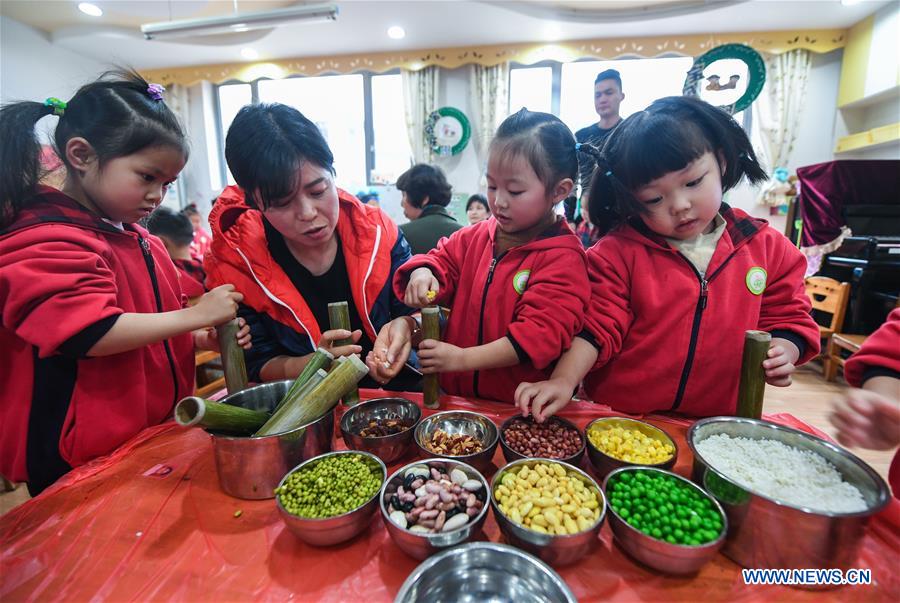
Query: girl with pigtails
{"points": [[679, 275]]}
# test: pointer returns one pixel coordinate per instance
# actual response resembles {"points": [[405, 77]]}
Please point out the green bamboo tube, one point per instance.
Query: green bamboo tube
{"points": [[193, 411], [232, 357], [752, 387], [320, 400], [321, 358], [431, 329], [339, 318]]}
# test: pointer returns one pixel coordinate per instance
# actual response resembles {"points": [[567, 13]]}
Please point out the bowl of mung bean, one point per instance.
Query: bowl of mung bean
{"points": [[331, 498]]}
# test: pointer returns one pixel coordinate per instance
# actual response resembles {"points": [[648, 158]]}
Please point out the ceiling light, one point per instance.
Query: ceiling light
{"points": [[396, 32], [240, 22], [90, 9], [249, 54]]}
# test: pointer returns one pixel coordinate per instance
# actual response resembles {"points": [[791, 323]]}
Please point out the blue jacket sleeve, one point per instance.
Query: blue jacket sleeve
{"points": [[399, 255], [265, 342]]}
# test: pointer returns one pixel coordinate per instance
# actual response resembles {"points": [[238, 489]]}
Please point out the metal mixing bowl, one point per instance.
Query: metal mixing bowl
{"points": [[333, 530], [765, 532], [388, 448], [484, 572], [456, 422], [659, 554], [420, 545], [551, 548], [251, 467], [511, 455], [604, 463]]}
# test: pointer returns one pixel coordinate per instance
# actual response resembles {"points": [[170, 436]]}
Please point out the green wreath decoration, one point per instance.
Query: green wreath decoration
{"points": [[431, 137], [756, 72]]}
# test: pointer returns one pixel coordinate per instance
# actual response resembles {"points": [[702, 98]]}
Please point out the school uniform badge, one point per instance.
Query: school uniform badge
{"points": [[520, 281], [756, 280]]}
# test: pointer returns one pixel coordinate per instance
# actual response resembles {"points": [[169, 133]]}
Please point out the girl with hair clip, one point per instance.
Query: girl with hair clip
{"points": [[96, 340], [679, 275], [515, 283]]}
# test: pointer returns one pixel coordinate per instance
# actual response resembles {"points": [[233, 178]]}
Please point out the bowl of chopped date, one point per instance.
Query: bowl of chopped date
{"points": [[460, 435]]}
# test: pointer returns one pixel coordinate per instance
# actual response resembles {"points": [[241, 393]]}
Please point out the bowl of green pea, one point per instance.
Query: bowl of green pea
{"points": [[331, 498], [663, 520]]}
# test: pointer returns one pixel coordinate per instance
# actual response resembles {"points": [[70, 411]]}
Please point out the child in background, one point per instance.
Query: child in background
{"points": [[680, 276], [869, 417], [176, 232], [515, 283], [202, 240], [96, 344]]}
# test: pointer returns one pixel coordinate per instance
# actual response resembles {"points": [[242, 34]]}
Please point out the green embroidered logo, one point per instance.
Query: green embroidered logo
{"points": [[756, 280], [520, 281]]}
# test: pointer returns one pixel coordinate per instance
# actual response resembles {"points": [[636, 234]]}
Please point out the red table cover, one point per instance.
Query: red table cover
{"points": [[108, 531]]}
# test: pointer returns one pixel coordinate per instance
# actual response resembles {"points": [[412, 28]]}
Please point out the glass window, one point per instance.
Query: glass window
{"points": [[231, 98], [392, 150], [335, 104], [532, 88], [643, 81]]}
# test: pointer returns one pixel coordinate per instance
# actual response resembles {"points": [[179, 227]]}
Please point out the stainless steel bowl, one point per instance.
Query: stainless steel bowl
{"points": [[388, 448], [421, 546], [251, 467], [551, 548], [484, 572], [455, 422], [512, 455], [604, 463], [766, 532], [337, 529], [661, 555]]}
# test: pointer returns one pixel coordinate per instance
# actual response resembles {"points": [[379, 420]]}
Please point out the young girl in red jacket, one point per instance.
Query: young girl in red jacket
{"points": [[679, 276], [515, 284], [95, 340]]}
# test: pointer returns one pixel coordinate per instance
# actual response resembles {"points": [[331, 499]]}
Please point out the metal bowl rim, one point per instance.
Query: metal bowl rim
{"points": [[590, 444], [883, 491], [531, 459], [419, 429], [349, 412], [318, 458], [261, 438], [562, 420], [714, 544], [506, 549], [386, 516]]}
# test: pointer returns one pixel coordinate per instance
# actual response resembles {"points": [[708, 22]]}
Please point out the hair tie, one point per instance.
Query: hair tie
{"points": [[577, 146], [609, 174], [59, 107], [155, 91]]}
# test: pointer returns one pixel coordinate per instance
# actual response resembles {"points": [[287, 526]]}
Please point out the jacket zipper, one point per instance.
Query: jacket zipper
{"points": [[487, 285], [702, 301], [151, 269]]}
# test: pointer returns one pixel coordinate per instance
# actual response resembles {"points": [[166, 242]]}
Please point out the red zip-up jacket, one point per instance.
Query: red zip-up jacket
{"points": [[879, 356], [670, 340], [534, 294], [65, 277]]}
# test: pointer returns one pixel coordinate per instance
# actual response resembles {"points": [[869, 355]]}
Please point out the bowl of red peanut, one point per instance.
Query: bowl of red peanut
{"points": [[556, 438]]}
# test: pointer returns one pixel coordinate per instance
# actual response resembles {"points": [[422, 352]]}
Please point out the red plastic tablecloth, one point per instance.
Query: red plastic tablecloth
{"points": [[106, 531]]}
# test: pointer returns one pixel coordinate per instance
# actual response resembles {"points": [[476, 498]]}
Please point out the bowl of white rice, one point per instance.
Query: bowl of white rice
{"points": [[792, 500]]}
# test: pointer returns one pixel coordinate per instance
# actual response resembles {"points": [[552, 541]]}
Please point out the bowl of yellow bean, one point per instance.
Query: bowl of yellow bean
{"points": [[548, 508], [615, 442]]}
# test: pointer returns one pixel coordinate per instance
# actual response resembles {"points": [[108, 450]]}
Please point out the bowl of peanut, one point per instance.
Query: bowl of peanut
{"points": [[556, 438], [459, 435]]}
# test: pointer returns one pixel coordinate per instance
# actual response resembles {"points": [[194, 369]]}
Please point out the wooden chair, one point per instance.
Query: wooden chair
{"points": [[842, 341], [202, 358], [828, 296]]}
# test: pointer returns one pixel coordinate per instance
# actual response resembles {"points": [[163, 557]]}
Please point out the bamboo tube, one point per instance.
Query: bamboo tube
{"points": [[752, 387], [339, 317], [232, 357], [320, 400], [321, 358], [431, 329], [193, 411]]}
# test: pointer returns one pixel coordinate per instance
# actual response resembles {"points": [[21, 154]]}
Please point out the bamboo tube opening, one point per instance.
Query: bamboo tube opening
{"points": [[190, 411]]}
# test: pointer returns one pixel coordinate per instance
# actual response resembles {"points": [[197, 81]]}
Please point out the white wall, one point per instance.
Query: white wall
{"points": [[32, 68]]}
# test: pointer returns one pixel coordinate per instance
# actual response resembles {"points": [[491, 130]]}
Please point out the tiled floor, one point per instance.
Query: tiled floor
{"points": [[809, 399]]}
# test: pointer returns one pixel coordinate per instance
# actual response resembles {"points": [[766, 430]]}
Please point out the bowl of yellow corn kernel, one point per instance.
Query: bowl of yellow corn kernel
{"points": [[548, 508], [615, 442]]}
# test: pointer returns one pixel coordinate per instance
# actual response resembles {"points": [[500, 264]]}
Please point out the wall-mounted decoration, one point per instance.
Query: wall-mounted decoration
{"points": [[756, 71], [447, 131]]}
